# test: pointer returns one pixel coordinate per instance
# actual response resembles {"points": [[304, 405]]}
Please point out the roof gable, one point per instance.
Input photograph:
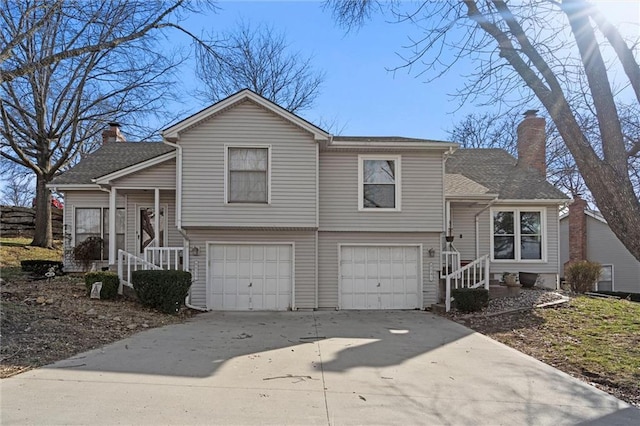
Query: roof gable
{"points": [[110, 158], [173, 133]]}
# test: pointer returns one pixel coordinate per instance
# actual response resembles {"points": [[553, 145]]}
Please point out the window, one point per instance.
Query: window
{"points": [[94, 222], [517, 234], [248, 175], [379, 183], [605, 281]]}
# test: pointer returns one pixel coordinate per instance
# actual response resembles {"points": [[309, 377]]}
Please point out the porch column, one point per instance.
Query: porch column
{"points": [[112, 226], [156, 217]]}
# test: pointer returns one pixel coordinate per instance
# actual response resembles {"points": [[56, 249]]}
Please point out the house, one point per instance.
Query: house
{"points": [[269, 212], [585, 235]]}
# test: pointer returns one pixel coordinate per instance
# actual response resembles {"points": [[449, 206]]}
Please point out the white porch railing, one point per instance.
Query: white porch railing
{"points": [[127, 263], [473, 275], [450, 261], [165, 257]]}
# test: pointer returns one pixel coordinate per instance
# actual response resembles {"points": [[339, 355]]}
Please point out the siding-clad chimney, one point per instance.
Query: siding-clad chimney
{"points": [[113, 134], [577, 230], [531, 142]]}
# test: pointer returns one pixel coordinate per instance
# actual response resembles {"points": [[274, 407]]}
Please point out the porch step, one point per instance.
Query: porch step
{"points": [[438, 308]]}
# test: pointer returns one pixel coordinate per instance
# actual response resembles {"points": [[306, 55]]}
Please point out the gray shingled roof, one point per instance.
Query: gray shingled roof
{"points": [[496, 170], [109, 158]]}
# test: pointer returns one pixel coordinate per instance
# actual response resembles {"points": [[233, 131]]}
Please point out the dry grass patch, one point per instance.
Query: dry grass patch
{"points": [[13, 250]]}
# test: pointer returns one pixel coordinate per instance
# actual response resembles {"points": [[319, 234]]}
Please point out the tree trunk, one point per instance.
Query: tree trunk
{"points": [[43, 235]]}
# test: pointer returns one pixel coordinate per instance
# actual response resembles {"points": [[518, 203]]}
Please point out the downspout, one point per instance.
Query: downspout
{"points": [[186, 244], [477, 224]]}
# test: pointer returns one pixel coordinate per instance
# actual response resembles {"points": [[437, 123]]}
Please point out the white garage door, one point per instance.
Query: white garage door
{"points": [[379, 277], [250, 277]]}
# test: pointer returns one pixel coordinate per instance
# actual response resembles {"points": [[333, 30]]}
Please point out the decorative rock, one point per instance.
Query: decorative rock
{"points": [[102, 317], [91, 313], [145, 325], [132, 326], [41, 300], [116, 319], [49, 301]]}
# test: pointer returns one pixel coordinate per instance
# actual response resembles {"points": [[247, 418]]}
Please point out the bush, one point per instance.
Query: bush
{"points": [[41, 267], [88, 251], [110, 283], [470, 299], [582, 276], [161, 289]]}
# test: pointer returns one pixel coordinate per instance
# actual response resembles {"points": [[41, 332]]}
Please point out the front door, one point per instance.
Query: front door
{"points": [[146, 232]]}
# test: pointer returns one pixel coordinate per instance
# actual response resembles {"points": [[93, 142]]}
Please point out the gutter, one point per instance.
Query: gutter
{"points": [[181, 230]]}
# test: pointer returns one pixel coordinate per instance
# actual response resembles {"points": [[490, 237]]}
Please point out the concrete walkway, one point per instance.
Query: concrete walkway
{"points": [[329, 368]]}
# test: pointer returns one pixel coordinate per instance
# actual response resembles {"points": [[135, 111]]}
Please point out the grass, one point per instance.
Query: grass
{"points": [[600, 336], [13, 250]]}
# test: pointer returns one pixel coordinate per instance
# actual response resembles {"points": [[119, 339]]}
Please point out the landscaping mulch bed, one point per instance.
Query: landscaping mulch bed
{"points": [[45, 321], [595, 340]]}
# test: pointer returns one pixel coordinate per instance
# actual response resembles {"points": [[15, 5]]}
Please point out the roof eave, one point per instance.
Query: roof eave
{"points": [[533, 201], [73, 186], [442, 146]]}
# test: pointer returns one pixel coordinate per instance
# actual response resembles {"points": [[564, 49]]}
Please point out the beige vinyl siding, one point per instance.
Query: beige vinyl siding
{"points": [[80, 199], [551, 266], [305, 259], [137, 199], [328, 260], [605, 248], [421, 194], [161, 175], [293, 170]]}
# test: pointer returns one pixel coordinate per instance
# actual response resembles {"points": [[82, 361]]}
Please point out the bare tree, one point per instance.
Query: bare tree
{"points": [[259, 59], [69, 67], [550, 52], [18, 188]]}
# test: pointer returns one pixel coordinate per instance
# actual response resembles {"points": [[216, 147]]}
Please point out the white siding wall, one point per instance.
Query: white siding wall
{"points": [[605, 248], [328, 260], [422, 191], [293, 170], [73, 200], [161, 176], [305, 258]]}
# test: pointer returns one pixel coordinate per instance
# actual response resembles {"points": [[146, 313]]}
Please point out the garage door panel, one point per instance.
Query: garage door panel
{"points": [[250, 276], [379, 277]]}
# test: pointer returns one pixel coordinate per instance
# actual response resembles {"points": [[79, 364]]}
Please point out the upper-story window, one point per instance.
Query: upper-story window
{"points": [[248, 174], [379, 183], [518, 234]]}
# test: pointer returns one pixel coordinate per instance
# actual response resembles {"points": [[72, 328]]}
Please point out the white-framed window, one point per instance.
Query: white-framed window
{"points": [[518, 234], [605, 281], [94, 222], [379, 183], [248, 174]]}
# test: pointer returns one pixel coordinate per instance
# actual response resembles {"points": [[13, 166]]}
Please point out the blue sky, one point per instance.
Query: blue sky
{"points": [[358, 94]]}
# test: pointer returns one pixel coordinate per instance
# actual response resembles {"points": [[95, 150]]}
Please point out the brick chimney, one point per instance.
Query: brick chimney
{"points": [[577, 230], [532, 142], [113, 134]]}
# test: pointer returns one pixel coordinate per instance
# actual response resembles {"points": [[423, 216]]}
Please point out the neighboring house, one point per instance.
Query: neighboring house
{"points": [[585, 235], [270, 212]]}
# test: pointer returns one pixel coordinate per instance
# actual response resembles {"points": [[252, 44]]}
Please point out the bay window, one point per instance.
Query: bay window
{"points": [[518, 234]]}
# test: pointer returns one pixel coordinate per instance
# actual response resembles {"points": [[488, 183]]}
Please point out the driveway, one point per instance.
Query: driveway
{"points": [[328, 368]]}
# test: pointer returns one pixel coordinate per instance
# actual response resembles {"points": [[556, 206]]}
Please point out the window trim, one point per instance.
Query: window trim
{"points": [[517, 236], [397, 159], [102, 227], [613, 280], [226, 173]]}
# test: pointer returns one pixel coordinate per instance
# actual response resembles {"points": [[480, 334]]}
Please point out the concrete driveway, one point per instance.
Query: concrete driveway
{"points": [[327, 368]]}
